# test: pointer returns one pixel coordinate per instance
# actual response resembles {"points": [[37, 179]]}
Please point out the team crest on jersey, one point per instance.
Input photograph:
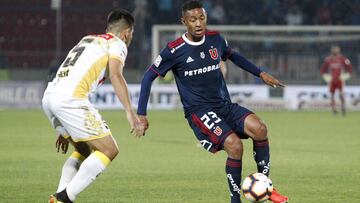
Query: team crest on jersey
{"points": [[202, 55], [213, 53]]}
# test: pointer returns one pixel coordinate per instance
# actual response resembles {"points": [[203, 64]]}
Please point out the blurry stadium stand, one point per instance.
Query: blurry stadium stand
{"points": [[292, 53], [27, 34]]}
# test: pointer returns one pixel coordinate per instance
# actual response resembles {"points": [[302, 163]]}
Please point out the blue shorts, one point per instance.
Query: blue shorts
{"points": [[212, 125]]}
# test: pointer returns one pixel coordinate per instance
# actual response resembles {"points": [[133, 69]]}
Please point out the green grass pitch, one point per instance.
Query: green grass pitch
{"points": [[315, 158]]}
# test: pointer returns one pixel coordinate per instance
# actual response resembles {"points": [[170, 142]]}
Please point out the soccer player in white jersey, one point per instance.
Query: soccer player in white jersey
{"points": [[75, 119]]}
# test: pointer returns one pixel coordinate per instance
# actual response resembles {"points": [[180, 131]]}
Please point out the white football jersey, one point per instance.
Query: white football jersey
{"points": [[85, 65]]}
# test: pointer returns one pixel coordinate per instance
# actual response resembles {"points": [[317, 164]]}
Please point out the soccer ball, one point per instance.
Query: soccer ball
{"points": [[257, 187]]}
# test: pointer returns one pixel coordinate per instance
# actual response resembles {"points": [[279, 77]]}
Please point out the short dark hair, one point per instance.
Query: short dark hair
{"points": [[120, 14], [191, 4]]}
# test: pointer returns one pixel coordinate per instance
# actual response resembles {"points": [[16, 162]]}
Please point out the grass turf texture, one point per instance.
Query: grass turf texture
{"points": [[314, 158]]}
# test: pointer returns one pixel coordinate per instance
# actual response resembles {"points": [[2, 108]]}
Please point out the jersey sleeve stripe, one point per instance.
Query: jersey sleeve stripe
{"points": [[152, 69], [175, 43]]}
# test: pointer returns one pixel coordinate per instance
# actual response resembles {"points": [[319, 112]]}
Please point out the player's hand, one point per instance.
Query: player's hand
{"points": [[144, 121], [140, 129], [137, 128], [327, 77], [344, 76], [271, 81], [62, 143]]}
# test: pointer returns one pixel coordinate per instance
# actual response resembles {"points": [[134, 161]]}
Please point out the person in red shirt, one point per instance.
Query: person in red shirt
{"points": [[335, 70]]}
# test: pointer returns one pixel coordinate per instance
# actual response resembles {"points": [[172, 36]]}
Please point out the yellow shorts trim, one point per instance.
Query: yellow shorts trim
{"points": [[106, 161], [92, 137], [77, 155]]}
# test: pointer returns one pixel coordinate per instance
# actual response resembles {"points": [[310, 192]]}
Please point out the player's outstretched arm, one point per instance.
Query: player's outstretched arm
{"points": [[270, 80], [120, 86], [243, 63], [146, 84], [247, 65]]}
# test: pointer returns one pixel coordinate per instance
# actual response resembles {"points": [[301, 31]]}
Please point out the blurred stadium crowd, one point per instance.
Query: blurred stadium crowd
{"points": [[27, 27]]}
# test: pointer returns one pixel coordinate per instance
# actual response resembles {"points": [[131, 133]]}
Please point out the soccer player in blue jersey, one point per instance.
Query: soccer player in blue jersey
{"points": [[217, 123]]}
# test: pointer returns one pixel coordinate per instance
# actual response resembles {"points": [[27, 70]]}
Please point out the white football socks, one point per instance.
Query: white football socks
{"points": [[88, 171], [70, 168]]}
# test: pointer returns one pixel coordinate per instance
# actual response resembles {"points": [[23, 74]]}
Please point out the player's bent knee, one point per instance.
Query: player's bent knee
{"points": [[260, 131], [114, 151], [233, 146], [106, 145], [263, 130]]}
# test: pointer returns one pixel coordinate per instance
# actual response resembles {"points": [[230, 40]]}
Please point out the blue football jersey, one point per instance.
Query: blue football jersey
{"points": [[196, 68]]}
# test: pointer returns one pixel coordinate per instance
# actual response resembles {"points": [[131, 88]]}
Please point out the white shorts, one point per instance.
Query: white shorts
{"points": [[73, 117]]}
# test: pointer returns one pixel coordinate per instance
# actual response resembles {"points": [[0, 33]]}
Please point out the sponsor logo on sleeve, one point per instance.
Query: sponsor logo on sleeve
{"points": [[158, 61]]}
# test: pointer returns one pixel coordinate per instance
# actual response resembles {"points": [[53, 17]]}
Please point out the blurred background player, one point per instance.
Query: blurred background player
{"points": [[335, 70], [66, 104], [195, 60]]}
